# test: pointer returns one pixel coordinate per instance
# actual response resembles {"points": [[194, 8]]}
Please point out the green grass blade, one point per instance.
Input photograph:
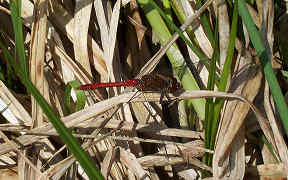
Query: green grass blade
{"points": [[167, 9], [2, 77], [212, 129], [210, 102], [265, 59], [15, 7], [224, 76], [209, 114]]}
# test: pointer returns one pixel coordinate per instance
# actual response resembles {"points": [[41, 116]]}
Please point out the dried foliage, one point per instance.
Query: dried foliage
{"points": [[124, 130]]}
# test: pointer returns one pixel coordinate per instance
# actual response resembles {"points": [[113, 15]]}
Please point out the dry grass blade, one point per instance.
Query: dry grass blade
{"points": [[11, 109], [56, 171], [64, 22], [224, 31], [137, 22], [37, 54], [151, 128], [112, 35], [108, 29], [108, 161], [79, 42], [103, 106], [105, 35], [199, 32], [179, 155], [132, 164], [281, 149], [153, 131], [81, 25], [231, 131]]}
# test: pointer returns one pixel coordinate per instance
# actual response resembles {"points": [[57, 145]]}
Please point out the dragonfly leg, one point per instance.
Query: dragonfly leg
{"points": [[167, 116], [161, 97], [164, 92]]}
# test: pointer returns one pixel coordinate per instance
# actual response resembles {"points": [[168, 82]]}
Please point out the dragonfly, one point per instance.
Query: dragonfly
{"points": [[150, 82]]}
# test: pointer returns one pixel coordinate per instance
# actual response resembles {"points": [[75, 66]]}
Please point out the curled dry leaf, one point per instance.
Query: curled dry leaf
{"points": [[230, 141]]}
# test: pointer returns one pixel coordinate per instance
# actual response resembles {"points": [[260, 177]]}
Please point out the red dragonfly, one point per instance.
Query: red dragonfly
{"points": [[150, 82]]}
